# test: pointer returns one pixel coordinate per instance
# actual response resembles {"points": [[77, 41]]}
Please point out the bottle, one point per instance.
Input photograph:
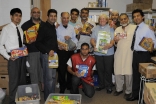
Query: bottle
{"points": [[53, 61]]}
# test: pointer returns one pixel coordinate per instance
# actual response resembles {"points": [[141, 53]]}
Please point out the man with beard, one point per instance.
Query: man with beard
{"points": [[33, 59], [123, 56], [84, 37], [115, 19], [82, 58]]}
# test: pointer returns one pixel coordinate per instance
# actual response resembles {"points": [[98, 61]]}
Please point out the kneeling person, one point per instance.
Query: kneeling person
{"points": [[81, 66]]}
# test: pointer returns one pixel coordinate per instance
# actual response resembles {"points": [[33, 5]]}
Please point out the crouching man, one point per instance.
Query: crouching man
{"points": [[81, 66]]}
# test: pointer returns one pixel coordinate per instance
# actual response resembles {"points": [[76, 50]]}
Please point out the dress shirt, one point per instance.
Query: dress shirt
{"points": [[95, 36], [143, 31], [47, 38], [69, 31], [9, 39]]}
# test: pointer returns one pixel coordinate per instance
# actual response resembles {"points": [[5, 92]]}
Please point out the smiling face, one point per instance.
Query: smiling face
{"points": [[74, 16], [52, 18], [103, 20], [138, 18], [35, 14], [84, 14], [65, 18], [124, 20], [16, 18]]}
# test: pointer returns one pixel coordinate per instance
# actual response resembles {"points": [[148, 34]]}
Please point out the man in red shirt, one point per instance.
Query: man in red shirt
{"points": [[81, 66]]}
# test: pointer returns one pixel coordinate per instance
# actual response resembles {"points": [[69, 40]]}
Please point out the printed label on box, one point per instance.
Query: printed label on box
{"points": [[82, 70], [19, 52]]}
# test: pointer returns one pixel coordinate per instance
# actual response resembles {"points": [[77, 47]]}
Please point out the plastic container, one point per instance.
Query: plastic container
{"points": [[2, 96], [53, 61], [76, 97], [27, 90]]}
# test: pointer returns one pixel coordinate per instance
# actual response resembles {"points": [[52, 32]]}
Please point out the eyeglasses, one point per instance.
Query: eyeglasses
{"points": [[36, 12]]}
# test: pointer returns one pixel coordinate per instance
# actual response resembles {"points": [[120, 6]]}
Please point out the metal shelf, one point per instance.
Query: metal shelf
{"points": [[97, 8]]}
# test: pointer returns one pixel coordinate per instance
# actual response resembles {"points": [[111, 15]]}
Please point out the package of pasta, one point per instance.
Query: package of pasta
{"points": [[63, 45], [87, 28], [146, 44], [19, 52], [31, 33]]}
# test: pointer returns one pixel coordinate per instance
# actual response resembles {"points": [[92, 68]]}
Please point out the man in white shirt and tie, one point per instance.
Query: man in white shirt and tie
{"points": [[12, 38]]}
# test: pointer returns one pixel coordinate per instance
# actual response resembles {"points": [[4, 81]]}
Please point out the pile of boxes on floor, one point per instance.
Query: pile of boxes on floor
{"points": [[4, 78], [148, 72], [140, 4]]}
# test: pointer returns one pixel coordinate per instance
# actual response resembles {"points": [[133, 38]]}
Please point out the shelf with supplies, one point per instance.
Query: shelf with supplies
{"points": [[97, 8], [145, 11], [94, 12]]}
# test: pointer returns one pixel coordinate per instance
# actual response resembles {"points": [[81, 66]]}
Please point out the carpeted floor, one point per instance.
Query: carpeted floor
{"points": [[100, 97]]}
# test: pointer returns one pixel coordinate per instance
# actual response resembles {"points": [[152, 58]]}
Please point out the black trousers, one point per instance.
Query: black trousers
{"points": [[87, 88], [104, 66], [62, 70], [138, 57], [17, 76]]}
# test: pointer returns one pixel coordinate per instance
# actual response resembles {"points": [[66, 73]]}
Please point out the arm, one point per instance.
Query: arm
{"points": [[3, 39], [39, 41]]}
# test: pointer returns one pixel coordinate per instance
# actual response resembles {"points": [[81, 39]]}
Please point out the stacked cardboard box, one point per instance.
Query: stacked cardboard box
{"points": [[4, 78], [150, 93], [139, 4], [148, 70]]}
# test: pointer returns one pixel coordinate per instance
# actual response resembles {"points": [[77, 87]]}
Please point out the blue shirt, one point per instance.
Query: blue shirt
{"points": [[73, 24], [143, 31], [95, 35]]}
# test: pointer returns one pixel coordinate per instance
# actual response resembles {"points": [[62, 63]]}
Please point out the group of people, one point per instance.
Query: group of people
{"points": [[123, 61]]}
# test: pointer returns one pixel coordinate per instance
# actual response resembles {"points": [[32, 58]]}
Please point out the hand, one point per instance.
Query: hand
{"points": [[107, 46], [31, 41], [67, 37], [79, 29], [150, 40], [76, 74], [116, 39], [57, 25], [51, 53], [152, 28], [12, 58]]}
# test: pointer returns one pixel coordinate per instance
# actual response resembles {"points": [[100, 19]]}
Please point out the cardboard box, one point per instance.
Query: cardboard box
{"points": [[147, 71], [3, 65], [150, 93], [4, 83], [143, 1], [128, 7]]}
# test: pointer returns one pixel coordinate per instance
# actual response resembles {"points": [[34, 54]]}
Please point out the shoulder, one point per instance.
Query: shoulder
{"points": [[75, 55], [7, 27], [91, 58]]}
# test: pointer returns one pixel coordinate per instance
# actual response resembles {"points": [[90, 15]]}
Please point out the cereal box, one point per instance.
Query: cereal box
{"points": [[19, 52], [82, 70]]}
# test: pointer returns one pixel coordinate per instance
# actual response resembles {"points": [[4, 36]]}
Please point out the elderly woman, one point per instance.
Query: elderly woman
{"points": [[104, 62]]}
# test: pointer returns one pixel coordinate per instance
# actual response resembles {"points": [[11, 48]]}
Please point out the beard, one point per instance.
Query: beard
{"points": [[125, 24], [36, 19]]}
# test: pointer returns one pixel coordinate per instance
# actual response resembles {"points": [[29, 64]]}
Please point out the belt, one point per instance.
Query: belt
{"points": [[140, 52]]}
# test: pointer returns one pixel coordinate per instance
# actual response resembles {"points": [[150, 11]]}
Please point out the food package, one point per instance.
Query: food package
{"points": [[62, 44], [121, 35], [19, 52], [31, 33], [53, 61], [77, 29], [144, 43], [87, 27], [82, 70]]}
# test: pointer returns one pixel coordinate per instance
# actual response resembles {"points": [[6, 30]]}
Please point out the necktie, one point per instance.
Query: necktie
{"points": [[19, 38], [133, 41]]}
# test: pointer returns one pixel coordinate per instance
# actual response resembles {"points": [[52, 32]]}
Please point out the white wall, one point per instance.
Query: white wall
{"points": [[7, 5], [67, 5]]}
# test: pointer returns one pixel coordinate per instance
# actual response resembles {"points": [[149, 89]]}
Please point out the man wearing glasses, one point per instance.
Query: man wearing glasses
{"points": [[33, 59]]}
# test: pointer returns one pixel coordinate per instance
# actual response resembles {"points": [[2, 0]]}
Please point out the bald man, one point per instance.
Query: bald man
{"points": [[33, 59], [65, 32]]}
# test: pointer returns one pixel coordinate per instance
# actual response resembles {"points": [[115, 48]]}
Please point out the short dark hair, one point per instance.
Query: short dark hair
{"points": [[15, 10], [84, 44], [51, 11], [74, 10], [85, 9], [123, 14], [138, 11]]}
